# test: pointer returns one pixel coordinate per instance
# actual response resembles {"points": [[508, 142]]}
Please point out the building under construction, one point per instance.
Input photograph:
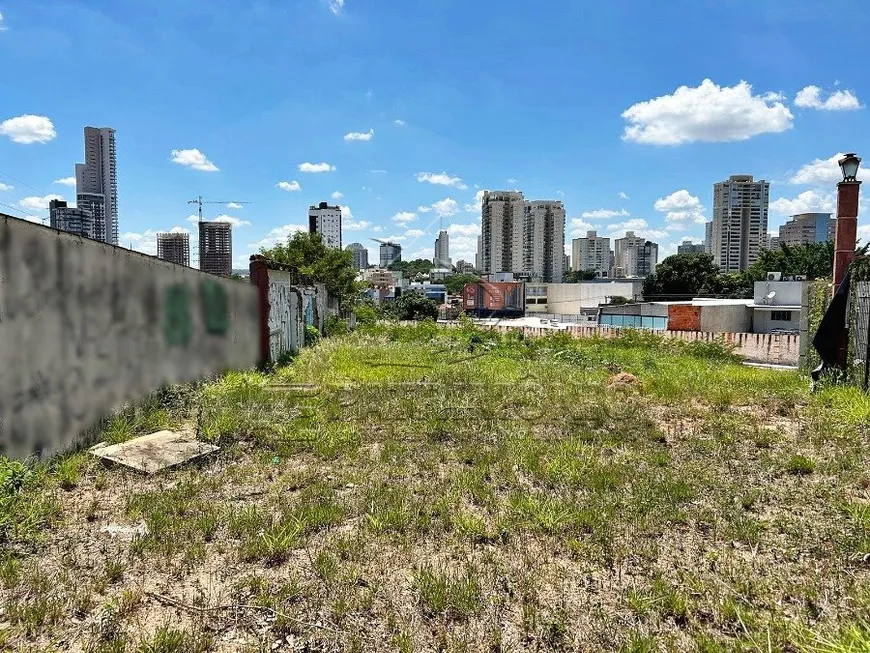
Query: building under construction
{"points": [[216, 248], [174, 247]]}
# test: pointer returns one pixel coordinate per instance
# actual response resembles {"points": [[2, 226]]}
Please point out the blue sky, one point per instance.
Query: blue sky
{"points": [[628, 112]]}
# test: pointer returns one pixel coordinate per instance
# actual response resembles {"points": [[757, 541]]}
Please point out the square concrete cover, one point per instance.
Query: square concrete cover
{"points": [[155, 451]]}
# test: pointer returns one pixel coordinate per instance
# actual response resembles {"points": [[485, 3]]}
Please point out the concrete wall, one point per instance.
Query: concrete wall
{"points": [[726, 318], [290, 301], [571, 298], [788, 293], [762, 321], [86, 327], [753, 347]]}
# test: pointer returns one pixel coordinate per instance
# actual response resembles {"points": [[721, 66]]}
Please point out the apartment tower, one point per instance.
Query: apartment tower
{"points": [[360, 256], [442, 250], [174, 247], [739, 227], [807, 228], [97, 183], [390, 253], [502, 221], [325, 220], [544, 240], [74, 220], [592, 254], [216, 248]]}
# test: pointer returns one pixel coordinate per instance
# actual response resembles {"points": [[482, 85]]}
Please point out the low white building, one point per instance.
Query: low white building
{"points": [[777, 304]]}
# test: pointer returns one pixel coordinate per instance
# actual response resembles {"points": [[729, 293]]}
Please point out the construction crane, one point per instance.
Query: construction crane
{"points": [[385, 242], [199, 202]]}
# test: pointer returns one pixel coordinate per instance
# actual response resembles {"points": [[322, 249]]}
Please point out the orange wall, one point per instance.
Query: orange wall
{"points": [[682, 317]]}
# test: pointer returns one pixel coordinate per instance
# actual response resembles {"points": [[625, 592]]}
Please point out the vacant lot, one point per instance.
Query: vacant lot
{"points": [[396, 491]]}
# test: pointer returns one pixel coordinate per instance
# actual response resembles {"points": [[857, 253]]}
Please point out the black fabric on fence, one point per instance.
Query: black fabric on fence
{"points": [[829, 336]]}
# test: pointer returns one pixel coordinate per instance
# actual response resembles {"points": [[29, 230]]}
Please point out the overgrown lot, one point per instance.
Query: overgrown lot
{"points": [[416, 489]]}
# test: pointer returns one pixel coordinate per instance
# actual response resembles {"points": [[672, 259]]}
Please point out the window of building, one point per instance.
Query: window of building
{"points": [[781, 316]]}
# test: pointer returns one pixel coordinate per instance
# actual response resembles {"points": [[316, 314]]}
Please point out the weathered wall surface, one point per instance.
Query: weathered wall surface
{"points": [[779, 349], [290, 301], [727, 318], [86, 327]]}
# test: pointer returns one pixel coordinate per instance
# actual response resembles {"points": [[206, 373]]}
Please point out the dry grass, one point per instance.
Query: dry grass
{"points": [[394, 492]]}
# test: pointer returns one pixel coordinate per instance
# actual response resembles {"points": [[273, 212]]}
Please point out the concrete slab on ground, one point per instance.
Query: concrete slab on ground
{"points": [[155, 451]]}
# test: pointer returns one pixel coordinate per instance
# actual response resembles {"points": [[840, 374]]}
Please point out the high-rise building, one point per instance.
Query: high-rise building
{"points": [[708, 237], [641, 261], [464, 267], [97, 183], [593, 254], [442, 250], [688, 247], [502, 224], [174, 247], [773, 243], [67, 218], [360, 256], [623, 266], [390, 253], [544, 240], [807, 228], [740, 207], [325, 220], [216, 248]]}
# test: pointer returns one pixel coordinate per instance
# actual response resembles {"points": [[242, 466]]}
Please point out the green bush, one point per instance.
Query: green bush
{"points": [[312, 335], [335, 326]]}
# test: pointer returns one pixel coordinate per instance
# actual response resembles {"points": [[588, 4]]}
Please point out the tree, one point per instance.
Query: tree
{"points": [[815, 261], [328, 265], [456, 282], [681, 276], [576, 276], [619, 300], [413, 306], [412, 268]]}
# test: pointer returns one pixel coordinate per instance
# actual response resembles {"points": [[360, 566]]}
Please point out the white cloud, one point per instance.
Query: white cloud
{"points": [[807, 202], [604, 214], [345, 212], [445, 207], [337, 195], [377, 228], [193, 218], [681, 207], [810, 97], [424, 209], [399, 122], [396, 239], [560, 193], [824, 171], [708, 113], [5, 186], [193, 158], [277, 235], [65, 181], [415, 233], [3, 27], [475, 206], [234, 205], [472, 229], [579, 227], [377, 172], [351, 225], [28, 129], [360, 136], [289, 186], [235, 222], [622, 195], [316, 167], [441, 179], [511, 181], [404, 217], [335, 6], [35, 203], [635, 224], [141, 242]]}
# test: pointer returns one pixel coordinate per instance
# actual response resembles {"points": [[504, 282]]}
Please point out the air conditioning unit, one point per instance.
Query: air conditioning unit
{"points": [[774, 276], [799, 277]]}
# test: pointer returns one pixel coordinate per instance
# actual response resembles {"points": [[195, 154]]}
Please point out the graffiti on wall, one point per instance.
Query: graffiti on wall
{"points": [[284, 302], [86, 327]]}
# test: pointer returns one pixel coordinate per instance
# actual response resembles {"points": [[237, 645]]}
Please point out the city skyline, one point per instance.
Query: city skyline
{"points": [[403, 153]]}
